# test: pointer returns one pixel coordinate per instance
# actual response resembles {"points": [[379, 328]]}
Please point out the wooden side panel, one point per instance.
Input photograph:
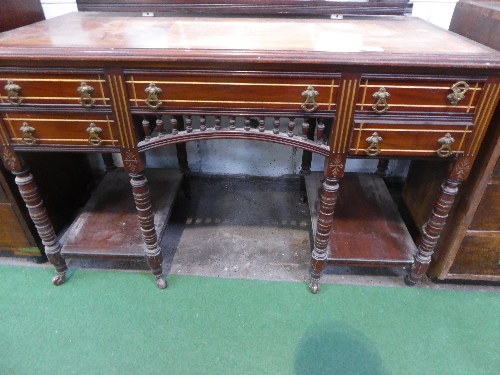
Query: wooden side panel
{"points": [[477, 256], [487, 216], [12, 234]]}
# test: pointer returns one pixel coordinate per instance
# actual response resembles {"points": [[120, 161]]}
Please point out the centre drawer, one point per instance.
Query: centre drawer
{"points": [[80, 90], [393, 95], [444, 139], [55, 129], [300, 93]]}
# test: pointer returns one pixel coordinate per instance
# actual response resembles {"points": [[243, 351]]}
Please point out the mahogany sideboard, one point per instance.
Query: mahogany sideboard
{"points": [[469, 247], [391, 87]]}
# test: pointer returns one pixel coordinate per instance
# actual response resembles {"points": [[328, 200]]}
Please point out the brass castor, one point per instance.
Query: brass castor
{"points": [[59, 278], [314, 287]]}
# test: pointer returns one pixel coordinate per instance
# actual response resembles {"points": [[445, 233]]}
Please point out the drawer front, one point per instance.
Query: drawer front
{"points": [[386, 95], [78, 90], [376, 139], [478, 256], [232, 91], [34, 129]]}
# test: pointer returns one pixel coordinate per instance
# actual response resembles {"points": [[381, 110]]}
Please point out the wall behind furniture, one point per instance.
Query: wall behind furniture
{"points": [[262, 158]]}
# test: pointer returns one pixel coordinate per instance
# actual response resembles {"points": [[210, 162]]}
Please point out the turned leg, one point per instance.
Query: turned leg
{"points": [[182, 160], [37, 212], [382, 167], [432, 230], [154, 257], [328, 199]]}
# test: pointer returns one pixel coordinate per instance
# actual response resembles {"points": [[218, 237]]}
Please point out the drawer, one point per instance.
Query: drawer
{"points": [[34, 129], [478, 255], [232, 91], [395, 95], [413, 139], [78, 90]]}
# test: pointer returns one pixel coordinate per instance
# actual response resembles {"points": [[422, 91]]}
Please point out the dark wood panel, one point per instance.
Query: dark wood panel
{"points": [[13, 237], [17, 13], [478, 20], [477, 256], [487, 216]]}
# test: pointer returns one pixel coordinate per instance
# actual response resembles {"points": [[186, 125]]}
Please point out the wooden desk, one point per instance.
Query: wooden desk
{"points": [[393, 87]]}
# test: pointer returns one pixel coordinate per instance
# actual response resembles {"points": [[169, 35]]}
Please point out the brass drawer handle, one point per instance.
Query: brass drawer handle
{"points": [[94, 132], [373, 149], [85, 90], [152, 101], [459, 89], [381, 96], [13, 93], [28, 131], [310, 104], [445, 150]]}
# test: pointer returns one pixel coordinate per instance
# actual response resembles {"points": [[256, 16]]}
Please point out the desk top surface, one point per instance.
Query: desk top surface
{"points": [[99, 34]]}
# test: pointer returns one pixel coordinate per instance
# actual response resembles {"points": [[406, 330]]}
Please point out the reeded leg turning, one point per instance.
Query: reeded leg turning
{"points": [[328, 199], [432, 230], [146, 220], [37, 212]]}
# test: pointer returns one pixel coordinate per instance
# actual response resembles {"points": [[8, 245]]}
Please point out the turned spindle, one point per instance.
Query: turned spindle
{"points": [[217, 122], [189, 124], [147, 129], [276, 124], [305, 129], [247, 124], [232, 123], [291, 126], [320, 130], [160, 126], [203, 123], [173, 122], [262, 124]]}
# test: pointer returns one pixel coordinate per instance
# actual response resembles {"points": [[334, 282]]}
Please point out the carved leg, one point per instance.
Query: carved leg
{"points": [[182, 160], [432, 230], [382, 167], [36, 209], [108, 162], [146, 220], [328, 199]]}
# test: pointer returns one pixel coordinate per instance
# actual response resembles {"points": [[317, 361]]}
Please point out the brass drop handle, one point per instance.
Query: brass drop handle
{"points": [[13, 93], [373, 149], [28, 131], [94, 132], [381, 96], [85, 100], [459, 89], [445, 150], [152, 101], [310, 104]]}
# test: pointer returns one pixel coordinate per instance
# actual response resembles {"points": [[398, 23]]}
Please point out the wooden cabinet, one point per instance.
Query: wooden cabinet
{"points": [[469, 247], [425, 95]]}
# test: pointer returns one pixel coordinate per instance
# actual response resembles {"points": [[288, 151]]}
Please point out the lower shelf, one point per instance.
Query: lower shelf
{"points": [[367, 229], [108, 226]]}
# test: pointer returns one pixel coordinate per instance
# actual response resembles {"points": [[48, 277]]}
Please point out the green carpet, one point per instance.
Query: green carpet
{"points": [[105, 322]]}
